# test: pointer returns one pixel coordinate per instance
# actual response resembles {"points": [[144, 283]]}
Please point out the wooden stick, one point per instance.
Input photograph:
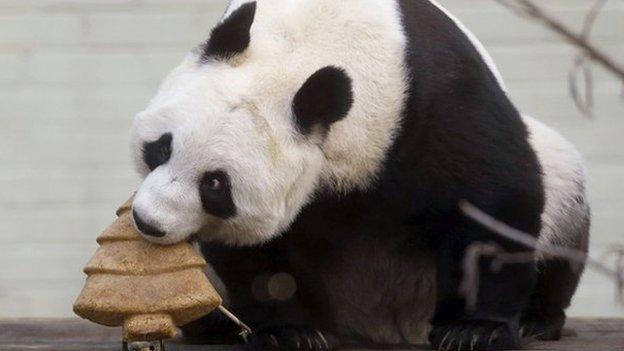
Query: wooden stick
{"points": [[246, 330]]}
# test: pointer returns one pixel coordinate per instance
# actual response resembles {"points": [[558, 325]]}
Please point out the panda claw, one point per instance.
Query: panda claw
{"points": [[288, 338], [493, 337], [463, 337], [441, 347], [475, 336], [474, 341], [543, 330]]}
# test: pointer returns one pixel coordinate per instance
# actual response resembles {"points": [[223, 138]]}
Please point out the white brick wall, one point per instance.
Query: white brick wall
{"points": [[74, 72]]}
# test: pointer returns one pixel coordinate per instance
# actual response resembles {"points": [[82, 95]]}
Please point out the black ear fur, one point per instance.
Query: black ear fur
{"points": [[325, 98], [231, 37]]}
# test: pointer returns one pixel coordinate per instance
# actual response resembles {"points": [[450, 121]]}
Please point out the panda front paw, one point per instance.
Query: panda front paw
{"points": [[288, 338], [477, 335]]}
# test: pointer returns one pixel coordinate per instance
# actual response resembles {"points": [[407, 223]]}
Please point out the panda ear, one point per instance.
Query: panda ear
{"points": [[325, 98], [232, 36]]}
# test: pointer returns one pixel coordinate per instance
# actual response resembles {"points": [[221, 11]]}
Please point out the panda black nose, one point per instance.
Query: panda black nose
{"points": [[146, 228]]}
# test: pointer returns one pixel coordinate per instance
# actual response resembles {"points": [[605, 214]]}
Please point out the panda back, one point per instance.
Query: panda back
{"points": [[476, 42]]}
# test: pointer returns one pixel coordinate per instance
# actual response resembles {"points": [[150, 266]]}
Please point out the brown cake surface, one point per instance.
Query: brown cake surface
{"points": [[146, 288]]}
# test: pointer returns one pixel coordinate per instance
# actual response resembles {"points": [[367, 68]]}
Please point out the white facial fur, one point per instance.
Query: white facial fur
{"points": [[215, 127], [236, 116]]}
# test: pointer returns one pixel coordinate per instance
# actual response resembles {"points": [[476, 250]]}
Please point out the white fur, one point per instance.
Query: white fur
{"points": [[476, 43], [564, 183], [215, 128], [236, 116], [363, 36]]}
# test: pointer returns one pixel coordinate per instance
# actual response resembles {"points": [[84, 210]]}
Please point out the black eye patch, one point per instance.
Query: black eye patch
{"points": [[157, 153], [216, 194]]}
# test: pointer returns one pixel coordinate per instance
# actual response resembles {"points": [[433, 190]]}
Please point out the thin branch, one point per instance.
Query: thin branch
{"points": [[591, 17], [478, 250], [245, 329], [528, 9], [585, 103], [469, 287]]}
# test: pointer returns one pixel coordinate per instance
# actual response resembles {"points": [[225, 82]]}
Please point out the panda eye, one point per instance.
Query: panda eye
{"points": [[216, 195], [158, 152], [213, 184]]}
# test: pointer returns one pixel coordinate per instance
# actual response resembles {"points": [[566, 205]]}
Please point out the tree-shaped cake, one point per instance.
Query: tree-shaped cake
{"points": [[146, 288]]}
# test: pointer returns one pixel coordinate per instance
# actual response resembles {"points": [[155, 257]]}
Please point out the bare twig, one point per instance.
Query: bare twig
{"points": [[469, 286], [581, 79], [617, 255], [585, 103], [245, 329], [591, 17], [530, 10]]}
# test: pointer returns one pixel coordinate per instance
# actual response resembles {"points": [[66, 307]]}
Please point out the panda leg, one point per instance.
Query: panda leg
{"points": [[494, 324], [243, 275], [545, 316], [558, 279], [502, 295]]}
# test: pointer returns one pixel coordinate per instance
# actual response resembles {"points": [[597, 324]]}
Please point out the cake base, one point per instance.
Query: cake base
{"points": [[149, 327]]}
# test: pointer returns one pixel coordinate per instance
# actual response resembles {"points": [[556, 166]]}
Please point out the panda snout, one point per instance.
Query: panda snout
{"points": [[146, 228]]}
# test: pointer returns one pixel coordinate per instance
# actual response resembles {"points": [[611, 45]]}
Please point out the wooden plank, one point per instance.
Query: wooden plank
{"points": [[73, 334]]}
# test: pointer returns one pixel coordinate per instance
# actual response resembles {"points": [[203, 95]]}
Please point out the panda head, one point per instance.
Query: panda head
{"points": [[230, 148]]}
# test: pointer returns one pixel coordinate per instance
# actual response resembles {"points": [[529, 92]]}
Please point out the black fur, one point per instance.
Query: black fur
{"points": [[232, 36], [157, 152], [468, 143], [545, 316], [325, 98], [557, 281]]}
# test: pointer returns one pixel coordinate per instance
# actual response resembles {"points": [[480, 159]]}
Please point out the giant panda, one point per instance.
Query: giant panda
{"points": [[318, 149]]}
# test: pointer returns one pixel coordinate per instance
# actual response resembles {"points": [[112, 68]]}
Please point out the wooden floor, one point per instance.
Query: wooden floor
{"points": [[74, 335]]}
